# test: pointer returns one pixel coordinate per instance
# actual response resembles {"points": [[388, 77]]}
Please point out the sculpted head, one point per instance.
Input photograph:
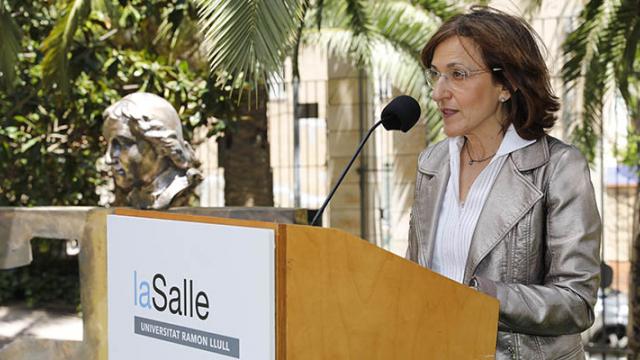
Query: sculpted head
{"points": [[145, 148]]}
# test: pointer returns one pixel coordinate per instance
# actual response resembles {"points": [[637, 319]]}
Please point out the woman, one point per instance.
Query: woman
{"points": [[500, 205]]}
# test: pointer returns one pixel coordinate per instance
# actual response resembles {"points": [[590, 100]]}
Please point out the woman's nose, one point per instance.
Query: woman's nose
{"points": [[440, 90]]}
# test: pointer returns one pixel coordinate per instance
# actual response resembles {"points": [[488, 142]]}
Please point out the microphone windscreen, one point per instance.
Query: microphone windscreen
{"points": [[401, 113]]}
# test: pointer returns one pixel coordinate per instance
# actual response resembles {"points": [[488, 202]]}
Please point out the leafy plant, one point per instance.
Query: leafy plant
{"points": [[50, 137]]}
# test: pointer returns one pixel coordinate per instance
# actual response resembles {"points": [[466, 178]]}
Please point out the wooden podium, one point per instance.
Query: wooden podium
{"points": [[339, 297]]}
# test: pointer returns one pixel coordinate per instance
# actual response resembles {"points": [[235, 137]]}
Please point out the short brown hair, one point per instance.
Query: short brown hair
{"points": [[507, 42]]}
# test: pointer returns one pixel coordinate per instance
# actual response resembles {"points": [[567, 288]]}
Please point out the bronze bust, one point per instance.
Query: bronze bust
{"points": [[153, 166]]}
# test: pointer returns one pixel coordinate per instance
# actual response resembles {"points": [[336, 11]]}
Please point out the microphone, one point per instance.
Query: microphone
{"points": [[400, 114]]}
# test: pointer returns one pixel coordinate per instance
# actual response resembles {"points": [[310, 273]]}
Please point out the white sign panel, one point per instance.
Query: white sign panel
{"points": [[186, 290]]}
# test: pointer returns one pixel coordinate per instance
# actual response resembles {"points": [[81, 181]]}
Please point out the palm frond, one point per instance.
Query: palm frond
{"points": [[404, 70], [58, 43], [336, 40], [249, 37], [439, 8], [395, 36], [9, 46], [585, 133], [580, 45], [406, 26], [585, 66], [602, 52], [406, 74], [629, 60], [357, 13], [354, 17], [625, 29], [403, 30], [360, 24]]}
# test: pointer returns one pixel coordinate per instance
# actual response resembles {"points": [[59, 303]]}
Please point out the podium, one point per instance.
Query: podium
{"points": [[321, 294]]}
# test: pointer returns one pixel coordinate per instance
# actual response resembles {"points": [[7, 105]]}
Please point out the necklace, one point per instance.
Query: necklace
{"points": [[471, 160]]}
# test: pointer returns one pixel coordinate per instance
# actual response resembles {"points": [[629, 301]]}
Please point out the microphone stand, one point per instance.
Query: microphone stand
{"points": [[344, 173]]}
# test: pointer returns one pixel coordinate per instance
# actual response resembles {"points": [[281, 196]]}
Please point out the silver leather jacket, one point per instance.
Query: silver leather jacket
{"points": [[535, 248]]}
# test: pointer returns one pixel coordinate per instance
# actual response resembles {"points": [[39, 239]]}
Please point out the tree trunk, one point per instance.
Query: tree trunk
{"points": [[244, 153]]}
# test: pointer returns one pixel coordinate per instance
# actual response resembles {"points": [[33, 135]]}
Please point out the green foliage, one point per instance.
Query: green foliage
{"points": [[630, 156], [441, 9], [9, 46], [49, 144], [249, 38], [50, 140], [47, 149], [56, 46], [602, 54]]}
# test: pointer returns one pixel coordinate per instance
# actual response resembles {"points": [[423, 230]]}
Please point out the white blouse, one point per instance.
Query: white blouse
{"points": [[457, 221]]}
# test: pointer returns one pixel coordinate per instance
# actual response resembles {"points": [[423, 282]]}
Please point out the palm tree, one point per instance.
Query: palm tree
{"points": [[252, 38], [602, 55]]}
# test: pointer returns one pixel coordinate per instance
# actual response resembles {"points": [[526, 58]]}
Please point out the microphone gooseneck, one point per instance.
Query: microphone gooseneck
{"points": [[400, 114], [344, 173]]}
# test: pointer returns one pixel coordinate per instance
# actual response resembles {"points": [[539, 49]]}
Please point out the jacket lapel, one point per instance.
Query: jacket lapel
{"points": [[435, 169], [510, 198]]}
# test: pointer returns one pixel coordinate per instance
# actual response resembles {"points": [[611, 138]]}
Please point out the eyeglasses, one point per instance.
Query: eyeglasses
{"points": [[455, 78]]}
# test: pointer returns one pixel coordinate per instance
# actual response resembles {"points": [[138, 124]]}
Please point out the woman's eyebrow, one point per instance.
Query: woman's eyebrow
{"points": [[450, 65]]}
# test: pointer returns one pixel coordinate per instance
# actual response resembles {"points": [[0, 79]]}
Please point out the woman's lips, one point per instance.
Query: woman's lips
{"points": [[448, 112]]}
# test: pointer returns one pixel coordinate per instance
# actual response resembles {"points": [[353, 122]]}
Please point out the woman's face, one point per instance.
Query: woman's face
{"points": [[471, 106]]}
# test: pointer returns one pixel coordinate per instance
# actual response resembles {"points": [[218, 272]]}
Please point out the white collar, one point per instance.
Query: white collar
{"points": [[510, 143]]}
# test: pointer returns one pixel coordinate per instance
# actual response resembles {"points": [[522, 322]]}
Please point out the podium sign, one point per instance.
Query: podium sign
{"points": [[189, 290]]}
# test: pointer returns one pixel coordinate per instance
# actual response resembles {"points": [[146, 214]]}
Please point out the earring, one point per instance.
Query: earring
{"points": [[502, 99]]}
